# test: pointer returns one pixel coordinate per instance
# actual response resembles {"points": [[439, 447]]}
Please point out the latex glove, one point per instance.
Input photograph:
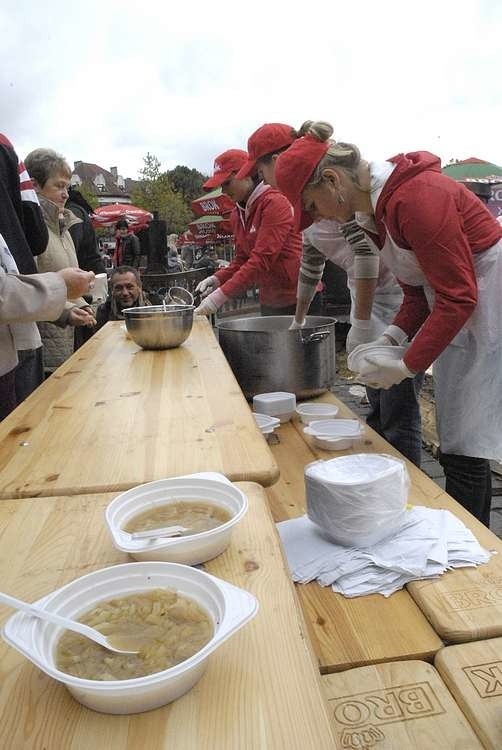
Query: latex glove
{"points": [[206, 286], [81, 316], [384, 372], [295, 325], [361, 332], [211, 303]]}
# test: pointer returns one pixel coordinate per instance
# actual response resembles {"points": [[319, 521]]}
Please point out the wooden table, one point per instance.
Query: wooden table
{"points": [[366, 630], [261, 690], [114, 416]]}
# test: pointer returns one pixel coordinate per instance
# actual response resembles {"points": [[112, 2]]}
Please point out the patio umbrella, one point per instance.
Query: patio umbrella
{"points": [[214, 203], [210, 227], [472, 169], [107, 216]]}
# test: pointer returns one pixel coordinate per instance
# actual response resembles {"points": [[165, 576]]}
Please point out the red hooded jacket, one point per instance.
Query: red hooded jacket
{"points": [[443, 223], [268, 250]]}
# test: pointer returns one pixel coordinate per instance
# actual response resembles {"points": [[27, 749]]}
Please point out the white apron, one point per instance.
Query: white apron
{"points": [[326, 236], [468, 373]]}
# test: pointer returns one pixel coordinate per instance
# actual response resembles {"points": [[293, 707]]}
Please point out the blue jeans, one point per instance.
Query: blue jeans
{"points": [[469, 481], [395, 415]]}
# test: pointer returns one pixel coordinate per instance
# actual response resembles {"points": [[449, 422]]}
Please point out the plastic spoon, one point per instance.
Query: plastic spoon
{"points": [[77, 627], [155, 533]]}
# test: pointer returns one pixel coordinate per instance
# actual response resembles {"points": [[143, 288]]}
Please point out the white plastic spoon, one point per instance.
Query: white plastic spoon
{"points": [[156, 533], [77, 627]]}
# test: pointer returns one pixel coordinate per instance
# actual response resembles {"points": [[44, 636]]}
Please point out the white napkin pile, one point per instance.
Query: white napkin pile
{"points": [[427, 544]]}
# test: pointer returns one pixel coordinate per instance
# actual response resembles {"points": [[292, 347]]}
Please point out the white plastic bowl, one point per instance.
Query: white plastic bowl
{"points": [[266, 424], [357, 361], [278, 404], [190, 550], [228, 606], [335, 434], [310, 412]]}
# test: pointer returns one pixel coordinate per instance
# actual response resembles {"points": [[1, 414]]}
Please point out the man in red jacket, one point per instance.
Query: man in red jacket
{"points": [[268, 248]]}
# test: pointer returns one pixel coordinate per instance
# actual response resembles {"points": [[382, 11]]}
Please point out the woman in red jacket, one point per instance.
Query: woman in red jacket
{"points": [[445, 248], [268, 248]]}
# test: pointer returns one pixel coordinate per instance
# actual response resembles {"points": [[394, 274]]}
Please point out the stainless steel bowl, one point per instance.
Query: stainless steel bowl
{"points": [[157, 327]]}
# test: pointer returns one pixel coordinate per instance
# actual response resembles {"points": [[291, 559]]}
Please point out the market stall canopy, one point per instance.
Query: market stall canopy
{"points": [[472, 169], [107, 216], [214, 203], [479, 174], [210, 228]]}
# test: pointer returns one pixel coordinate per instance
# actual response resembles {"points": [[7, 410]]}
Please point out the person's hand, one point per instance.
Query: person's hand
{"points": [[206, 286], [384, 372], [211, 303], [81, 316], [77, 282], [295, 325], [361, 332]]}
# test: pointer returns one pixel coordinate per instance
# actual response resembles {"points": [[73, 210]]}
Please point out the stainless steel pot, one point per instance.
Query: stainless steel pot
{"points": [[265, 356], [159, 327]]}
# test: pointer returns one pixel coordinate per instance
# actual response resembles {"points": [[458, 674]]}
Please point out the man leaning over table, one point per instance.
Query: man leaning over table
{"points": [[26, 299]]}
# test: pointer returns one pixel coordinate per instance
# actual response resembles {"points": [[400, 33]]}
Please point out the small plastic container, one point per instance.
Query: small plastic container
{"points": [[190, 550], [266, 424], [228, 606], [335, 434], [278, 404], [357, 361], [310, 412]]}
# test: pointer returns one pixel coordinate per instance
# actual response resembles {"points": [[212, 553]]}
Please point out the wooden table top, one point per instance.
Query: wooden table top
{"points": [[346, 632], [114, 416], [261, 689]]}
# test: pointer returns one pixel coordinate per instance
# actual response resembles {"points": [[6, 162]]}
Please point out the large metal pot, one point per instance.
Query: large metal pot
{"points": [[159, 327], [266, 356]]}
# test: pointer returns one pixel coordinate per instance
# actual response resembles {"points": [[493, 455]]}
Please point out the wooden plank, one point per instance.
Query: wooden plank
{"points": [[261, 688], [114, 416], [347, 632], [464, 604], [396, 706], [473, 673]]}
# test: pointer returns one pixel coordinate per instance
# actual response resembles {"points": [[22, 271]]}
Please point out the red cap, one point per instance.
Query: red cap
{"points": [[294, 168], [225, 165], [266, 140]]}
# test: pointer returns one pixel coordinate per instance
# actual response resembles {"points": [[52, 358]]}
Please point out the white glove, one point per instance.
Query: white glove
{"points": [[361, 332], [294, 325], [211, 303], [206, 286], [384, 372]]}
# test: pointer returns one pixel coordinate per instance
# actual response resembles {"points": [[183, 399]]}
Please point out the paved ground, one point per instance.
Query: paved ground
{"points": [[429, 464]]}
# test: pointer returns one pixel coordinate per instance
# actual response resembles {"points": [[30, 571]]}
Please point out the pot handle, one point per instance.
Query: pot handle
{"points": [[315, 337]]}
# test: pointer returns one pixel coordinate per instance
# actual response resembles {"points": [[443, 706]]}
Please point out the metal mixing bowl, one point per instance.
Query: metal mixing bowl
{"points": [[157, 327]]}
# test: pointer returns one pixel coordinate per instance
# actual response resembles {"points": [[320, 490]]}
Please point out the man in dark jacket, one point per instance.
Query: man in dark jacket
{"points": [[83, 235], [128, 250], [125, 291]]}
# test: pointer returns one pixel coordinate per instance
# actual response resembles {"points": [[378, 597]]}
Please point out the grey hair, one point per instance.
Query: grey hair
{"points": [[43, 163], [339, 155]]}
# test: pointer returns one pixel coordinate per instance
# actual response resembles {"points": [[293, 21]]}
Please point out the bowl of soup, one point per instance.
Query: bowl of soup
{"points": [[133, 598], [208, 505]]}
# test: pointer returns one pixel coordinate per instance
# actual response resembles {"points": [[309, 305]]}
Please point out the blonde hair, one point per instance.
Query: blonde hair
{"points": [[345, 156], [43, 163]]}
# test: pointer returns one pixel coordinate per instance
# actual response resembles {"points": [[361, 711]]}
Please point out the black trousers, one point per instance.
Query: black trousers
{"points": [[469, 481]]}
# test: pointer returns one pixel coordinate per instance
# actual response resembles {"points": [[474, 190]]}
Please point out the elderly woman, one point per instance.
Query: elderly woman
{"points": [[445, 248], [51, 177]]}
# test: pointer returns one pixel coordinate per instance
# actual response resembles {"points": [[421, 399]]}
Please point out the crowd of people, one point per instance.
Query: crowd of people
{"points": [[422, 254]]}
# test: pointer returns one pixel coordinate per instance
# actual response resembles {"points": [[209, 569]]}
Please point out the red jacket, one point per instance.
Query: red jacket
{"points": [[443, 223], [268, 250]]}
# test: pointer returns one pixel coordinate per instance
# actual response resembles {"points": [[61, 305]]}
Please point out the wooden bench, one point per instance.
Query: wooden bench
{"points": [[350, 632], [402, 705]]}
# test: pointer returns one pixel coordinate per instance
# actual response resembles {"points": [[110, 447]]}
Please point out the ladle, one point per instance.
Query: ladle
{"points": [[108, 642]]}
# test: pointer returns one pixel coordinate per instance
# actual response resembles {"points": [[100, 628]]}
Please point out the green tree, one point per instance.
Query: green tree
{"points": [[187, 182], [89, 196], [154, 192]]}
